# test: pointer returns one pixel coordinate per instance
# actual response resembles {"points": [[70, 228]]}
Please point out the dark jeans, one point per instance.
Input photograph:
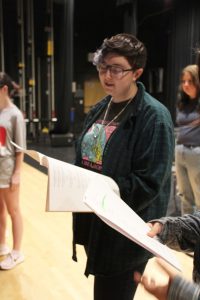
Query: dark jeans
{"points": [[118, 287]]}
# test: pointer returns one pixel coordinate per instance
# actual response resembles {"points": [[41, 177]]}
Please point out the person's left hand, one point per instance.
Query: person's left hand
{"points": [[149, 283], [15, 180], [155, 228], [159, 290]]}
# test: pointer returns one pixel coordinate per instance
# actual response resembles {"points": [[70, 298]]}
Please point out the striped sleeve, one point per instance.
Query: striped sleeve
{"points": [[181, 289]]}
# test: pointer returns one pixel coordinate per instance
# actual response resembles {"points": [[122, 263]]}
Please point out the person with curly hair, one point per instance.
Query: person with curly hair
{"points": [[187, 150], [128, 136]]}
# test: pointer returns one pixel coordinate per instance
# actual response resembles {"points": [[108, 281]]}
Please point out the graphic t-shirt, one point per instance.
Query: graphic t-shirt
{"points": [[99, 133], [2, 141], [12, 128]]}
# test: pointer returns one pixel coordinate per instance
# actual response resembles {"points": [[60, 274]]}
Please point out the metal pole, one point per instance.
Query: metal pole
{"points": [[39, 90], [49, 54], [50, 63], [31, 60], [53, 115], [2, 58], [34, 112], [21, 63], [31, 67]]}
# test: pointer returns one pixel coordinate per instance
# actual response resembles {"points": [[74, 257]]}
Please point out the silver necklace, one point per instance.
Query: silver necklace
{"points": [[96, 134]]}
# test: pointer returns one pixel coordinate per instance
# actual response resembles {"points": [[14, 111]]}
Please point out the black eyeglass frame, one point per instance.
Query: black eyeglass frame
{"points": [[108, 67]]}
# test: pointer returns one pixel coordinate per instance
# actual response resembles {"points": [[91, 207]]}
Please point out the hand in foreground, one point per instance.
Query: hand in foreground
{"points": [[155, 228], [159, 290]]}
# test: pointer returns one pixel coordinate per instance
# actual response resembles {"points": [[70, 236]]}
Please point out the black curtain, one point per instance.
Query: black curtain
{"points": [[63, 24], [10, 38], [129, 10]]}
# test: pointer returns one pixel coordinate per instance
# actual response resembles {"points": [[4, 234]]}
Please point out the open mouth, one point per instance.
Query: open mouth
{"points": [[107, 84]]}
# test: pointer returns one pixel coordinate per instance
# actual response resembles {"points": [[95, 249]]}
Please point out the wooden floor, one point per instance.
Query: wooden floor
{"points": [[48, 271]]}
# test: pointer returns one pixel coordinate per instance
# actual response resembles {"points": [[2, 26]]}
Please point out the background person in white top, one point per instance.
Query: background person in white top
{"points": [[12, 127]]}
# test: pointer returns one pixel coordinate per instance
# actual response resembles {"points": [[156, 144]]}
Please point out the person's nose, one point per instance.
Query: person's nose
{"points": [[108, 73], [186, 83]]}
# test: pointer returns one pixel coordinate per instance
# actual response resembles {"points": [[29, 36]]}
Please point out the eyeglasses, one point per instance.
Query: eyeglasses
{"points": [[115, 71]]}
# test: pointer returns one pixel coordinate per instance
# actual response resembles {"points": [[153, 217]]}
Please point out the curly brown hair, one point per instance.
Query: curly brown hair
{"points": [[126, 45]]}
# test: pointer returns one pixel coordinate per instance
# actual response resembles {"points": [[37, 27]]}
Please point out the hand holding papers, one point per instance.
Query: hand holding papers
{"points": [[117, 214]]}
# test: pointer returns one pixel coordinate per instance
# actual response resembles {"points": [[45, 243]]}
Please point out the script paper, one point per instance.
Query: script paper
{"points": [[71, 188], [108, 206], [67, 183]]}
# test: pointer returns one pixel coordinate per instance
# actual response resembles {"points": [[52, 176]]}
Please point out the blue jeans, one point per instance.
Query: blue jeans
{"points": [[187, 162]]}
